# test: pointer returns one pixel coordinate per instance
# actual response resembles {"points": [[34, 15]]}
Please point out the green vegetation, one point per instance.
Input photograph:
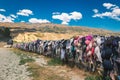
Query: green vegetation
{"points": [[23, 61], [96, 77], [93, 78], [24, 58], [54, 62], [5, 31]]}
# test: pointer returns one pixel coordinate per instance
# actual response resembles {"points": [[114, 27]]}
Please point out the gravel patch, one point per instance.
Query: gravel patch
{"points": [[10, 68]]}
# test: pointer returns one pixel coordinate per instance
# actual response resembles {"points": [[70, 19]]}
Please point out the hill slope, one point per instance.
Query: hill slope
{"points": [[49, 31]]}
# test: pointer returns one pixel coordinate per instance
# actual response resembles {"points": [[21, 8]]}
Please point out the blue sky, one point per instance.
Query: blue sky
{"points": [[104, 14]]}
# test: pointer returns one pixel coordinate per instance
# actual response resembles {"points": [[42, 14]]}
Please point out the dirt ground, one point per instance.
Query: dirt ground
{"points": [[2, 44], [43, 71]]}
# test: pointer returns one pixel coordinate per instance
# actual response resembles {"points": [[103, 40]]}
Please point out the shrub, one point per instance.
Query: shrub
{"points": [[23, 61], [6, 32]]}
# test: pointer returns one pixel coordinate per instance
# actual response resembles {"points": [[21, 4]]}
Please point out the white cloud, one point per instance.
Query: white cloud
{"points": [[95, 10], [108, 5], [64, 17], [35, 20], [2, 10], [66, 23], [13, 16], [6, 18], [67, 17], [114, 12], [107, 14], [76, 15], [25, 12], [56, 13], [22, 21]]}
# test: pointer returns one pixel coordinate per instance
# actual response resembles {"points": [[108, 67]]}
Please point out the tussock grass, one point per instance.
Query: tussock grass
{"points": [[55, 62], [23, 61], [93, 78], [96, 77], [24, 57], [42, 73]]}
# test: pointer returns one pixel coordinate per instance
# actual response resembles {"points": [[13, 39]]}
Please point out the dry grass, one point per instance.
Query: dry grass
{"points": [[52, 71], [17, 28], [31, 36], [38, 72], [25, 32], [43, 73]]}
